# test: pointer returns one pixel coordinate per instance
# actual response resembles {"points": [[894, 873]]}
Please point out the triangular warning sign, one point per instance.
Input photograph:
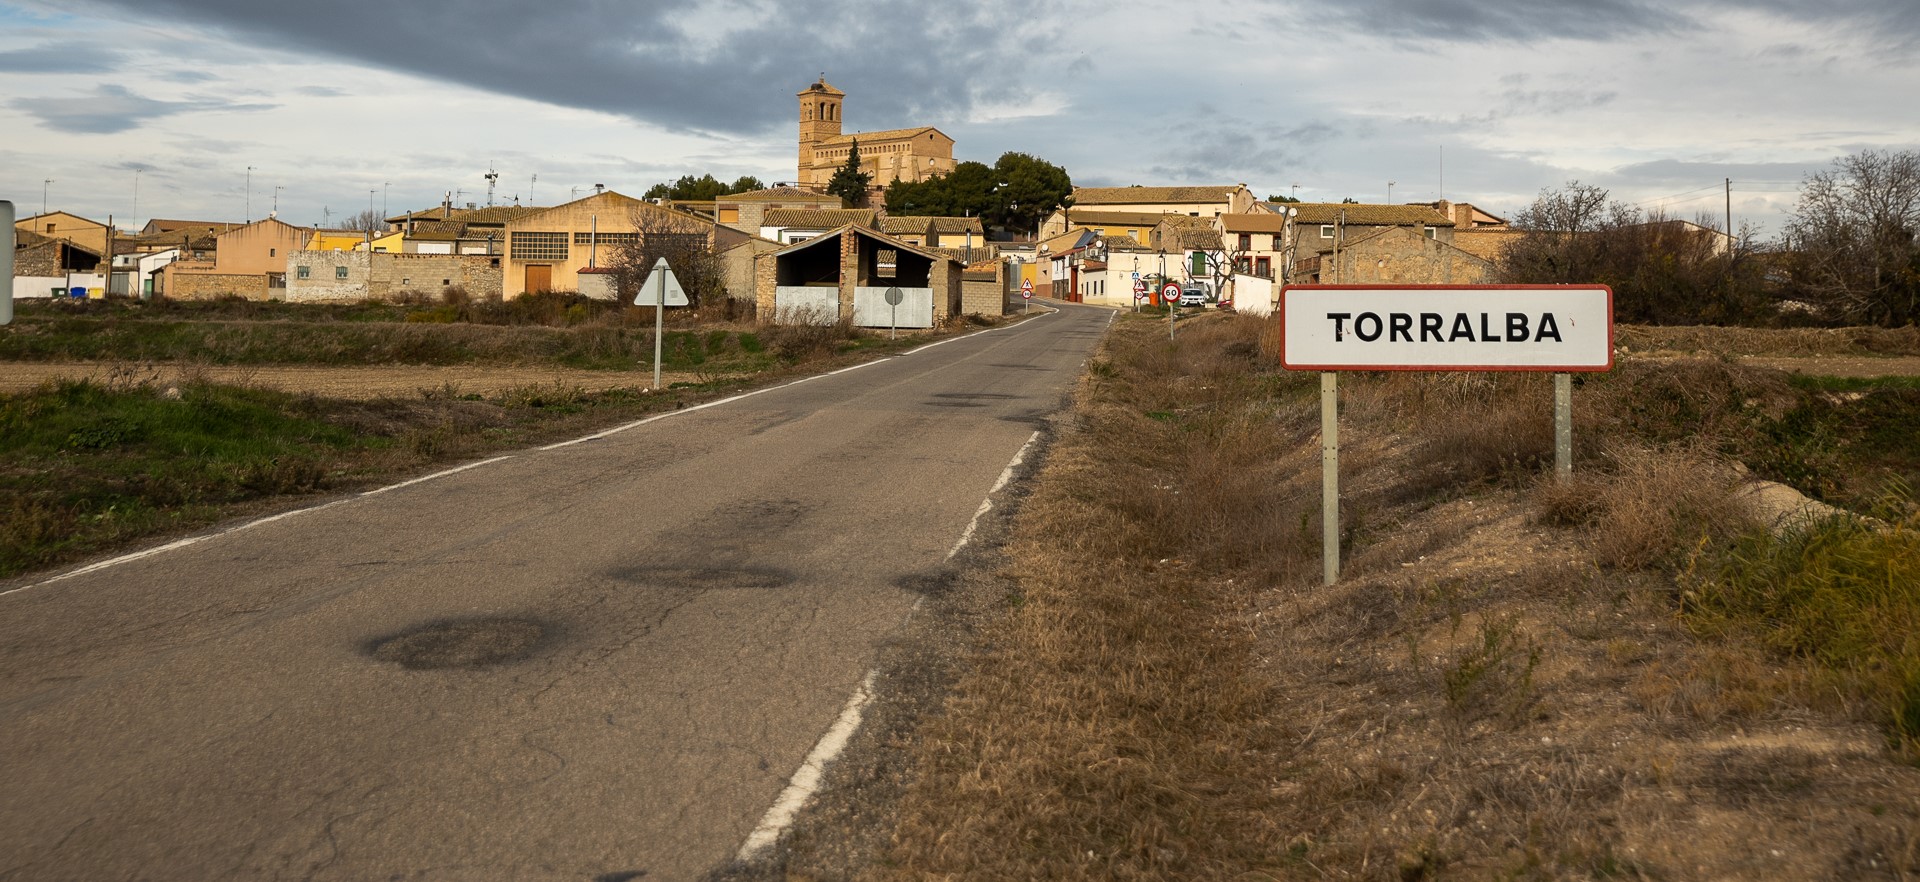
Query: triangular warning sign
{"points": [[651, 292]]}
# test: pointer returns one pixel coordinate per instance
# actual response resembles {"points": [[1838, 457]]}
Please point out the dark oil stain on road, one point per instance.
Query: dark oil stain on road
{"points": [[462, 643], [705, 578], [929, 583], [623, 876]]}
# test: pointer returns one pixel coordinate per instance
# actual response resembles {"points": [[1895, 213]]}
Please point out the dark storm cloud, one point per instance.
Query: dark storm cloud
{"points": [[66, 57], [651, 60], [110, 109], [1474, 20], [1415, 21]]}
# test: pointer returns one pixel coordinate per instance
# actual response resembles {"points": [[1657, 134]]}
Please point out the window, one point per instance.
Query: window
{"points": [[49, 229], [1246, 241], [445, 282], [1263, 267], [1243, 264], [339, 272], [273, 252], [1326, 231], [607, 239], [300, 272], [1276, 242], [1198, 261], [1432, 232], [537, 246]]}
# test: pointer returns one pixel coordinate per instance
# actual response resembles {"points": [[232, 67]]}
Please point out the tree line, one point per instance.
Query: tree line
{"points": [[1850, 253]]}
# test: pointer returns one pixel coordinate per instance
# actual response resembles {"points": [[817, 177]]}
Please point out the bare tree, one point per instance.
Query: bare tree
{"points": [[1853, 238], [686, 241], [368, 221], [1662, 270]]}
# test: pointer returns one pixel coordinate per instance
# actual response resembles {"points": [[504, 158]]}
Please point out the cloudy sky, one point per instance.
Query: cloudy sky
{"points": [[338, 106]]}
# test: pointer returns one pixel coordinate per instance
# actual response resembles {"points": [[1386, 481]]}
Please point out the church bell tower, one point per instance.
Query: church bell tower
{"points": [[819, 120]]}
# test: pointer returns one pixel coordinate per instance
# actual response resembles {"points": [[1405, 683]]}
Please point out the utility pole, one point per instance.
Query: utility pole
{"points": [[43, 194], [1729, 218], [136, 197], [536, 180], [249, 194], [384, 210], [1390, 191], [276, 199]]}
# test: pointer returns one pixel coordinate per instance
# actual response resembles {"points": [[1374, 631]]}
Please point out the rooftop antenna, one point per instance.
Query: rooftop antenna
{"points": [[491, 176], [536, 180]]}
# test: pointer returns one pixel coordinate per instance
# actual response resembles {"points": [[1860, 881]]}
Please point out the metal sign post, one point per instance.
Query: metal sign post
{"points": [[1330, 476], [1170, 295], [6, 262], [666, 292], [1139, 291], [1556, 329], [1026, 295], [894, 296]]}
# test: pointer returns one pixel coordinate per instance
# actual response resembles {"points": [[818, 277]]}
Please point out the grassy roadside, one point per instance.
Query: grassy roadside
{"points": [[1513, 680], [91, 466]]}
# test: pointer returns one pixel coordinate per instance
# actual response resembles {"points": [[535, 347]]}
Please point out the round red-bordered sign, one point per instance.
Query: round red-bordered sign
{"points": [[1170, 293]]}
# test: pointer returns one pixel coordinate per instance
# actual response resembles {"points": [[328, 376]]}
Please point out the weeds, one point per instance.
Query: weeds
{"points": [[1841, 593]]}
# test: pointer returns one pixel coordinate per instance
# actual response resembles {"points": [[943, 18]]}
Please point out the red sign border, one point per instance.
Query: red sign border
{"points": [[1281, 314]]}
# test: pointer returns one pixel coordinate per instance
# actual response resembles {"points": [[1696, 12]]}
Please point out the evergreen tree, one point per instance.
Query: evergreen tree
{"points": [[849, 182]]}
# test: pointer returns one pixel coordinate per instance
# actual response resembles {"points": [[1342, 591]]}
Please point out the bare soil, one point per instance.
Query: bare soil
{"points": [[343, 382]]}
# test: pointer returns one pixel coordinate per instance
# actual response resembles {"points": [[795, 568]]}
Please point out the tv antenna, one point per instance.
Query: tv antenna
{"points": [[492, 177]]}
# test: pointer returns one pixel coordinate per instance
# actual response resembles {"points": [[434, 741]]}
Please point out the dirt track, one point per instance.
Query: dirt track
{"points": [[340, 382]]}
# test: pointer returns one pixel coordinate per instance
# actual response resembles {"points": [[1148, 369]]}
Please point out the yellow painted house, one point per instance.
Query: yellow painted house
{"points": [[336, 240]]}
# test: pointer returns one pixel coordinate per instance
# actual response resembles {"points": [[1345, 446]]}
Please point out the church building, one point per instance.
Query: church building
{"points": [[907, 154]]}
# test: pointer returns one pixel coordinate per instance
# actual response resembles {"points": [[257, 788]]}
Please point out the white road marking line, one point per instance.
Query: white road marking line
{"points": [[974, 334], [806, 780], [420, 480], [195, 540], [170, 546], [986, 504]]}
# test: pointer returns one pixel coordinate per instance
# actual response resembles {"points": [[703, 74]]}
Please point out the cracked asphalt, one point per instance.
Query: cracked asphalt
{"points": [[601, 661]]}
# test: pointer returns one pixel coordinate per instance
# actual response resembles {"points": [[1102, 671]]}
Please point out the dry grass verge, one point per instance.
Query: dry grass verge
{"points": [[1502, 686]]}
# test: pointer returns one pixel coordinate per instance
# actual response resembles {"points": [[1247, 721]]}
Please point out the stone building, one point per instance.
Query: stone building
{"points": [[1395, 256], [335, 276], [910, 154], [747, 211], [846, 274], [547, 249]]}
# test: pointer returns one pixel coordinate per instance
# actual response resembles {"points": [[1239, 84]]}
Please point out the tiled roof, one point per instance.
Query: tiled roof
{"points": [[1186, 222], [1114, 218], [817, 218], [823, 86], [904, 224], [1124, 243], [1253, 223], [957, 225], [871, 137], [1140, 195], [1066, 241], [491, 215], [780, 194], [1370, 215], [1203, 240], [174, 226]]}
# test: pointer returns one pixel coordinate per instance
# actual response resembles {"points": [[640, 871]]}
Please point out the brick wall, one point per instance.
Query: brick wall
{"points": [[207, 286], [983, 293], [380, 275]]}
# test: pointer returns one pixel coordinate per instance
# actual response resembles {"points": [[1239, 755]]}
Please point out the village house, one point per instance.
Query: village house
{"points": [[62, 226], [790, 225], [847, 273], [1202, 202], [747, 211], [909, 154], [1394, 255], [345, 275], [248, 261], [444, 229], [547, 248]]}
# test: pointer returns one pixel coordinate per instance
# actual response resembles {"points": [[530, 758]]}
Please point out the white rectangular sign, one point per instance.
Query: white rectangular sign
{"points": [[1446, 328]]}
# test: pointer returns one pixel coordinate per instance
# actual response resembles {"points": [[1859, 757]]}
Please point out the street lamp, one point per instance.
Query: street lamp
{"points": [[384, 211], [1390, 191], [136, 195], [249, 194], [43, 194]]}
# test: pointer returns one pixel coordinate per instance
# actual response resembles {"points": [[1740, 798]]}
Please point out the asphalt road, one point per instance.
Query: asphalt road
{"points": [[588, 662]]}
